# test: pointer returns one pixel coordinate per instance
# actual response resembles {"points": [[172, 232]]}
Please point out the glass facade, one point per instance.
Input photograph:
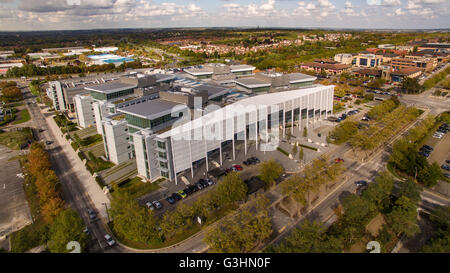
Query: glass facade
{"points": [[137, 121], [102, 96]]}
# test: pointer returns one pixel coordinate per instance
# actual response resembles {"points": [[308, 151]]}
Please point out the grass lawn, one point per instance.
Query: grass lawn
{"points": [[99, 164], [14, 139], [136, 188], [24, 117]]}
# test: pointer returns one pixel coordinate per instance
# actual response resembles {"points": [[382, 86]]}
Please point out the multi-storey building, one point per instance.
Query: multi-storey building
{"points": [[253, 119]]}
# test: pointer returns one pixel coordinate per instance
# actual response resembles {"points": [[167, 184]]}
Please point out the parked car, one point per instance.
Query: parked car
{"points": [[188, 191], [424, 153], [437, 136], [193, 188], [86, 230], [182, 194], [92, 214], [171, 200], [237, 167], [361, 183], [447, 175], [428, 147], [109, 240], [199, 186], [337, 160], [157, 204], [176, 196], [203, 183], [209, 181], [446, 167], [150, 205]]}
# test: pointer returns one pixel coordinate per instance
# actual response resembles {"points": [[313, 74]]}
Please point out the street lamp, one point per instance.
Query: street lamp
{"points": [[107, 214]]}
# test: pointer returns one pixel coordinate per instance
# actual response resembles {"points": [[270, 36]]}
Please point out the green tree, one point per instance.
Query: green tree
{"points": [[294, 150], [133, 222], [305, 132], [231, 189], [310, 237], [410, 189], [68, 226], [403, 218], [411, 86], [269, 171], [379, 191], [301, 154]]}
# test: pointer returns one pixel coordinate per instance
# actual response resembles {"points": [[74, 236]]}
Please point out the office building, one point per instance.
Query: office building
{"points": [[367, 60], [183, 147], [272, 82], [343, 58]]}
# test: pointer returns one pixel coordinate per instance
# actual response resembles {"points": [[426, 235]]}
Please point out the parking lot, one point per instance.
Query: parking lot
{"points": [[14, 211], [441, 151]]}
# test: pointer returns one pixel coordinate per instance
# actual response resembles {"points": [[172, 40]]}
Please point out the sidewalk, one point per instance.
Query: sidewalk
{"points": [[89, 184]]}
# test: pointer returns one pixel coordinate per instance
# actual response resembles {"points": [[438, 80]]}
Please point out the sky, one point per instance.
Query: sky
{"points": [[95, 14]]}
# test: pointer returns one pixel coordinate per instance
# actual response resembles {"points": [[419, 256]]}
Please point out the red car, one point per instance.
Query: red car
{"points": [[237, 167], [337, 160]]}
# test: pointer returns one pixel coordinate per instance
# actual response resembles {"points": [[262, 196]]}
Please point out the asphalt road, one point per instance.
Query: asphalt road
{"points": [[73, 193]]}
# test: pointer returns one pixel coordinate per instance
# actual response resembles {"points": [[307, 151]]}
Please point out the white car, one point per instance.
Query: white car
{"points": [[109, 240], [437, 136], [150, 205]]}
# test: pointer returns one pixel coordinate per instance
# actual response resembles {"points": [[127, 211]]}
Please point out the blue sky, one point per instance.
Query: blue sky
{"points": [[86, 14]]}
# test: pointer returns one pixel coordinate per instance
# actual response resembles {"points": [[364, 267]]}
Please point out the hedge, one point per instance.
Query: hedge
{"points": [[307, 147], [283, 151]]}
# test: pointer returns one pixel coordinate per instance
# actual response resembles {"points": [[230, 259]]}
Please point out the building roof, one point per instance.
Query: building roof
{"points": [[150, 109], [241, 67], [300, 77], [252, 83], [111, 87], [213, 91], [370, 72], [328, 66], [247, 105]]}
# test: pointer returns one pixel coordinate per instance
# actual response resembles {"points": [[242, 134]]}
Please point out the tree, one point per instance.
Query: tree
{"points": [[310, 237], [301, 154], [52, 208], [410, 189], [11, 94], [403, 218], [379, 191], [270, 170], [133, 222], [230, 189], [356, 209], [305, 132], [68, 226], [294, 150], [411, 86], [429, 175], [244, 231]]}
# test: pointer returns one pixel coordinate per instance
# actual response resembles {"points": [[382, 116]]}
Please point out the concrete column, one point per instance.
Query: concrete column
{"points": [[284, 119], [173, 160], [256, 127], [245, 133], [307, 111], [300, 115], [190, 155], [267, 127], [234, 149], [292, 117], [206, 149], [220, 146]]}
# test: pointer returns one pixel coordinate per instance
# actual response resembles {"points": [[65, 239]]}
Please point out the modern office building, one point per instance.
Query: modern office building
{"points": [[219, 72], [409, 72], [367, 60], [328, 68], [272, 82], [426, 64], [254, 119], [343, 58], [84, 110]]}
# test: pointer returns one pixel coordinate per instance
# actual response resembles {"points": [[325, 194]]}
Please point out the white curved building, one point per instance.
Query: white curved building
{"points": [[256, 119]]}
